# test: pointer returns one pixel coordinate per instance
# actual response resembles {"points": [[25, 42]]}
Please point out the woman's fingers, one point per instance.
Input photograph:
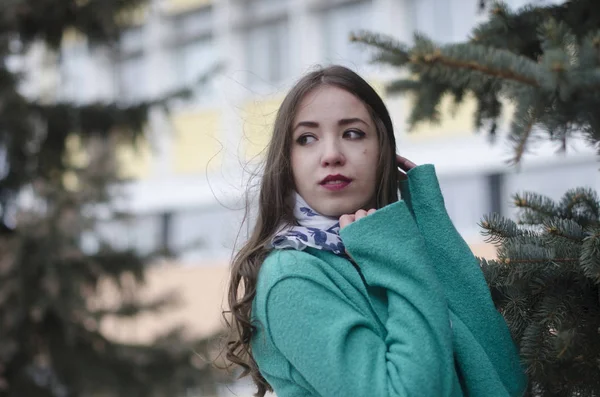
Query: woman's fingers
{"points": [[404, 164], [360, 214], [347, 219]]}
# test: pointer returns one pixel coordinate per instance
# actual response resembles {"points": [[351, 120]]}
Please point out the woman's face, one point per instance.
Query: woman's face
{"points": [[334, 152]]}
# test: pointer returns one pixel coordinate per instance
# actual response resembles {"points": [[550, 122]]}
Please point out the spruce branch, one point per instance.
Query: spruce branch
{"points": [[427, 105], [384, 58], [517, 311], [590, 255], [426, 53], [513, 261], [560, 228], [498, 229], [534, 351], [582, 204], [537, 203], [438, 58], [384, 43], [493, 271], [404, 86], [522, 130]]}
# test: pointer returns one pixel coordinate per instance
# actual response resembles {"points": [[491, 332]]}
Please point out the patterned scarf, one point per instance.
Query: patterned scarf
{"points": [[313, 230]]}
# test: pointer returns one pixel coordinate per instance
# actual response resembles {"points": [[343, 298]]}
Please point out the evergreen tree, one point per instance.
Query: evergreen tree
{"points": [[52, 258], [544, 60], [545, 282]]}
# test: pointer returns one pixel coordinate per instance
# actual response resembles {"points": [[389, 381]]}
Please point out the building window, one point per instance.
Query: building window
{"points": [[337, 25], [131, 67], [192, 24], [193, 53], [267, 53], [191, 63], [255, 12]]}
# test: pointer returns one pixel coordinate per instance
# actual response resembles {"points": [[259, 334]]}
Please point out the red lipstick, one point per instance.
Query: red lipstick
{"points": [[335, 182]]}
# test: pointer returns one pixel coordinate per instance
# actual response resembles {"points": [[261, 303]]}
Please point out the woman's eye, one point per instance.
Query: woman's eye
{"points": [[354, 134], [305, 139]]}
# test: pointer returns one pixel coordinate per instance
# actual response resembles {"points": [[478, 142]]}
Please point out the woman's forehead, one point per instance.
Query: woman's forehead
{"points": [[330, 103]]}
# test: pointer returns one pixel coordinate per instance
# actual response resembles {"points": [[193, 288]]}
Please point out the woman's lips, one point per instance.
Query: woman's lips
{"points": [[335, 185]]}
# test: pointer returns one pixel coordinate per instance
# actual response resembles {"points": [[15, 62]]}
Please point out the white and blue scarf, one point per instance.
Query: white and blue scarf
{"points": [[313, 230]]}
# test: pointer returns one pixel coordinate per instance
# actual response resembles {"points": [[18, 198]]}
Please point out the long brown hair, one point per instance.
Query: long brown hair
{"points": [[274, 209]]}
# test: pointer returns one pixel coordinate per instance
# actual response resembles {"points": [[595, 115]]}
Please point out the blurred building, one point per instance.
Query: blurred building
{"points": [[191, 175]]}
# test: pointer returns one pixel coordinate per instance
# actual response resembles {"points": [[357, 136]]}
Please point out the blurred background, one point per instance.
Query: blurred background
{"points": [[187, 175]]}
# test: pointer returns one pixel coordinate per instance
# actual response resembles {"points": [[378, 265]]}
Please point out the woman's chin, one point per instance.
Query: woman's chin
{"points": [[334, 207], [335, 211]]}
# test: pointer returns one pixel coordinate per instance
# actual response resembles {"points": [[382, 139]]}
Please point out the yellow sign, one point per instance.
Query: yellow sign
{"points": [[196, 145]]}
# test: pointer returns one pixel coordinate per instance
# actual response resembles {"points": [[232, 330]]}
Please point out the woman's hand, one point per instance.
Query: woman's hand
{"points": [[347, 219], [404, 166]]}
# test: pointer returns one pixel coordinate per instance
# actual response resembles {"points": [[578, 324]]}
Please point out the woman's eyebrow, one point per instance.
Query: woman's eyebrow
{"points": [[314, 124], [310, 124], [352, 121]]}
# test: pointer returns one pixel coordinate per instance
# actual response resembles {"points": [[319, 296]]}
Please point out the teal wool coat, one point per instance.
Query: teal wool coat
{"points": [[414, 319]]}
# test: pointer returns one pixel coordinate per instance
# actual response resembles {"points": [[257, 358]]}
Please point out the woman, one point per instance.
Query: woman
{"points": [[342, 289]]}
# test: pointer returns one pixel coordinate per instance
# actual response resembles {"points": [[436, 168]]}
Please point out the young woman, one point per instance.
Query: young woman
{"points": [[344, 290]]}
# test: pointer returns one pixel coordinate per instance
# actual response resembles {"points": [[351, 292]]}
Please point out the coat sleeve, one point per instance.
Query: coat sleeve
{"points": [[459, 272], [336, 348]]}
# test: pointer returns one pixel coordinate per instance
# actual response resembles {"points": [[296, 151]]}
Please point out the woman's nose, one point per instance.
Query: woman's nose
{"points": [[332, 154]]}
